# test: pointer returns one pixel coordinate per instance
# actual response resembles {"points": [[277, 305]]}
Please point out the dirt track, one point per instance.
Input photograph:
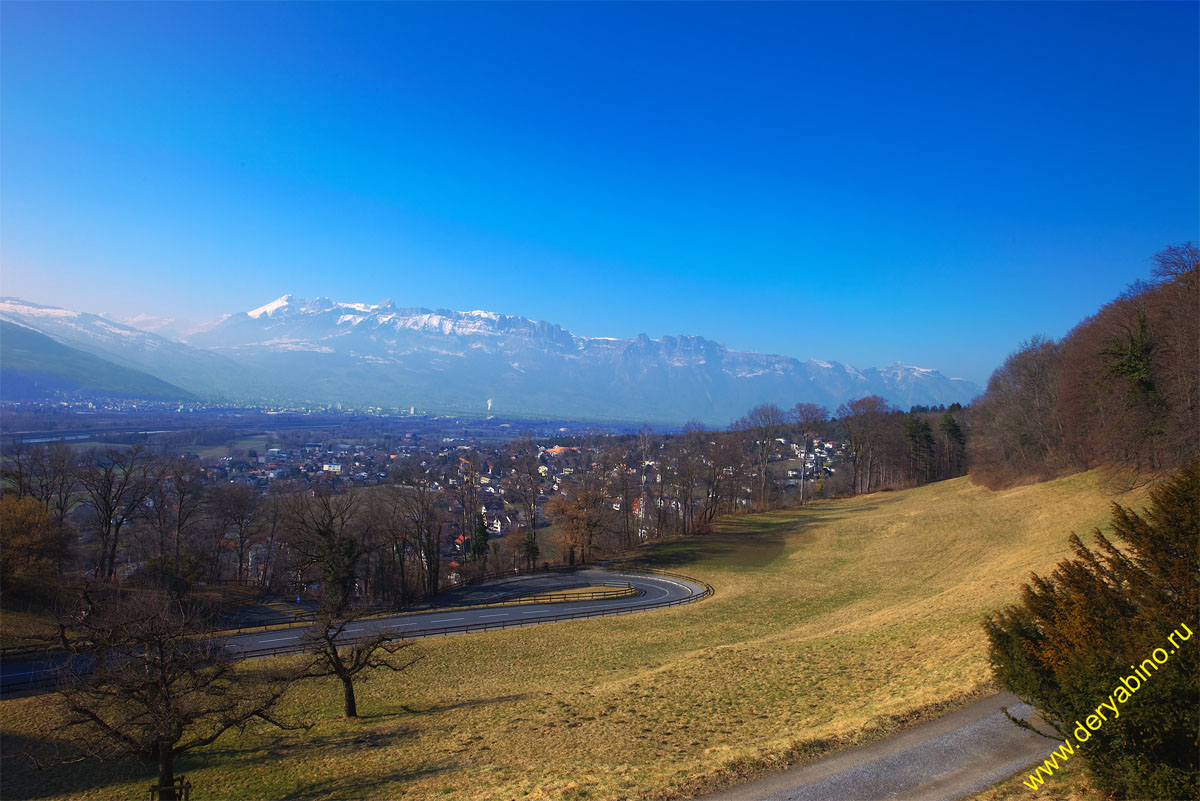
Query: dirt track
{"points": [[943, 760]]}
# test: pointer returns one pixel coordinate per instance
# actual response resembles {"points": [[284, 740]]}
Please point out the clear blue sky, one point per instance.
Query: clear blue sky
{"points": [[930, 183]]}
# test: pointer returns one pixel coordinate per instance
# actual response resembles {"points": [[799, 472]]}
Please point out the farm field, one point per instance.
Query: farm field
{"points": [[830, 625], [209, 453]]}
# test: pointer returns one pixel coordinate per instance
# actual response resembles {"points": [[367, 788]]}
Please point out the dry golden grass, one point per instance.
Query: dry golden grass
{"points": [[1070, 783], [830, 625]]}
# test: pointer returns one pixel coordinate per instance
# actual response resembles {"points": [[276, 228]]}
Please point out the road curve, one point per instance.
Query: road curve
{"points": [[942, 760], [449, 617]]}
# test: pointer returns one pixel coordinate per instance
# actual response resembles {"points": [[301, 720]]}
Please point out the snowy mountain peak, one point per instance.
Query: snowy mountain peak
{"points": [[17, 306], [270, 308]]}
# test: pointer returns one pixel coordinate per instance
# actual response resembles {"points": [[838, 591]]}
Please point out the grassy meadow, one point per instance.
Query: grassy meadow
{"points": [[830, 625]]}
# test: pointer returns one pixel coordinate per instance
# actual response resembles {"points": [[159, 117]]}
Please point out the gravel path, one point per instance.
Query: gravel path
{"points": [[943, 760]]}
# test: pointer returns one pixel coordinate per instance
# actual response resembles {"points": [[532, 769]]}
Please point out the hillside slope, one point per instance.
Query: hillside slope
{"points": [[830, 625], [35, 367], [205, 374]]}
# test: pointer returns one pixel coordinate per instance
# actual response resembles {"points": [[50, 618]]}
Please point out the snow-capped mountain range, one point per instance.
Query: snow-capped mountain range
{"points": [[321, 351]]}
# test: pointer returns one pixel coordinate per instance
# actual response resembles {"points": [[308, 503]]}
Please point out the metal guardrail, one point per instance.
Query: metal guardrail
{"points": [[44, 679]]}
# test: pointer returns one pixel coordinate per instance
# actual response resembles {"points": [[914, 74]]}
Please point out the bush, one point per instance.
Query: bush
{"points": [[33, 547], [1076, 634]]}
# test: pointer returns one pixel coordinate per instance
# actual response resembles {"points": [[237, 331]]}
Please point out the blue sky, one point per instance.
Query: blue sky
{"points": [[930, 183]]}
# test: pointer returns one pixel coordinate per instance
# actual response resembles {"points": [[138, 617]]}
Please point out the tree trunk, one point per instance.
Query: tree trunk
{"points": [[111, 566], [803, 470], [166, 772], [348, 690]]}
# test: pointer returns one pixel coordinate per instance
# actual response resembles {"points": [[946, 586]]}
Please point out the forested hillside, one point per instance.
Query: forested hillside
{"points": [[1122, 388]]}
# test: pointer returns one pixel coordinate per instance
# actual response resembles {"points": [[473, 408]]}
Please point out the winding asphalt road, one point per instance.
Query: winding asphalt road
{"points": [[448, 618]]}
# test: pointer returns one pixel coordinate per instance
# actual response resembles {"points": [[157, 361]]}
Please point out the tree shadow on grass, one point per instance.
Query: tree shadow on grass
{"points": [[351, 738], [21, 778], [368, 786], [744, 541], [467, 704], [682, 552], [716, 550]]}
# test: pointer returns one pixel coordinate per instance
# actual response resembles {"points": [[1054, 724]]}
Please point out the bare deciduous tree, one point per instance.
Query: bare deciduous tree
{"points": [[53, 479], [116, 483], [865, 420], [807, 417], [583, 511], [423, 518], [766, 423], [236, 508], [344, 656], [524, 484], [322, 530], [145, 679], [330, 532], [176, 506]]}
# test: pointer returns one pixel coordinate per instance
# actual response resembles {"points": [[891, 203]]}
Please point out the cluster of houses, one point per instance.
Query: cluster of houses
{"points": [[348, 465]]}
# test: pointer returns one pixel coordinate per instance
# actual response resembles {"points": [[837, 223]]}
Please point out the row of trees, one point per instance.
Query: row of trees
{"points": [[108, 506], [655, 486], [890, 448], [1122, 388]]}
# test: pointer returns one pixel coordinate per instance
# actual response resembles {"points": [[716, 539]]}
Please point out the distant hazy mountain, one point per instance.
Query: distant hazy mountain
{"points": [[208, 375], [321, 351], [426, 358], [33, 366]]}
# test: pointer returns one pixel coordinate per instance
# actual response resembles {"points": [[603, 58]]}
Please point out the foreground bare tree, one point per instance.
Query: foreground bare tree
{"points": [[344, 653], [144, 678]]}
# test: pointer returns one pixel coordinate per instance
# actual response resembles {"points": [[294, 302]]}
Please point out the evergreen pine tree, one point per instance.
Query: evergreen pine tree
{"points": [[1078, 633]]}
